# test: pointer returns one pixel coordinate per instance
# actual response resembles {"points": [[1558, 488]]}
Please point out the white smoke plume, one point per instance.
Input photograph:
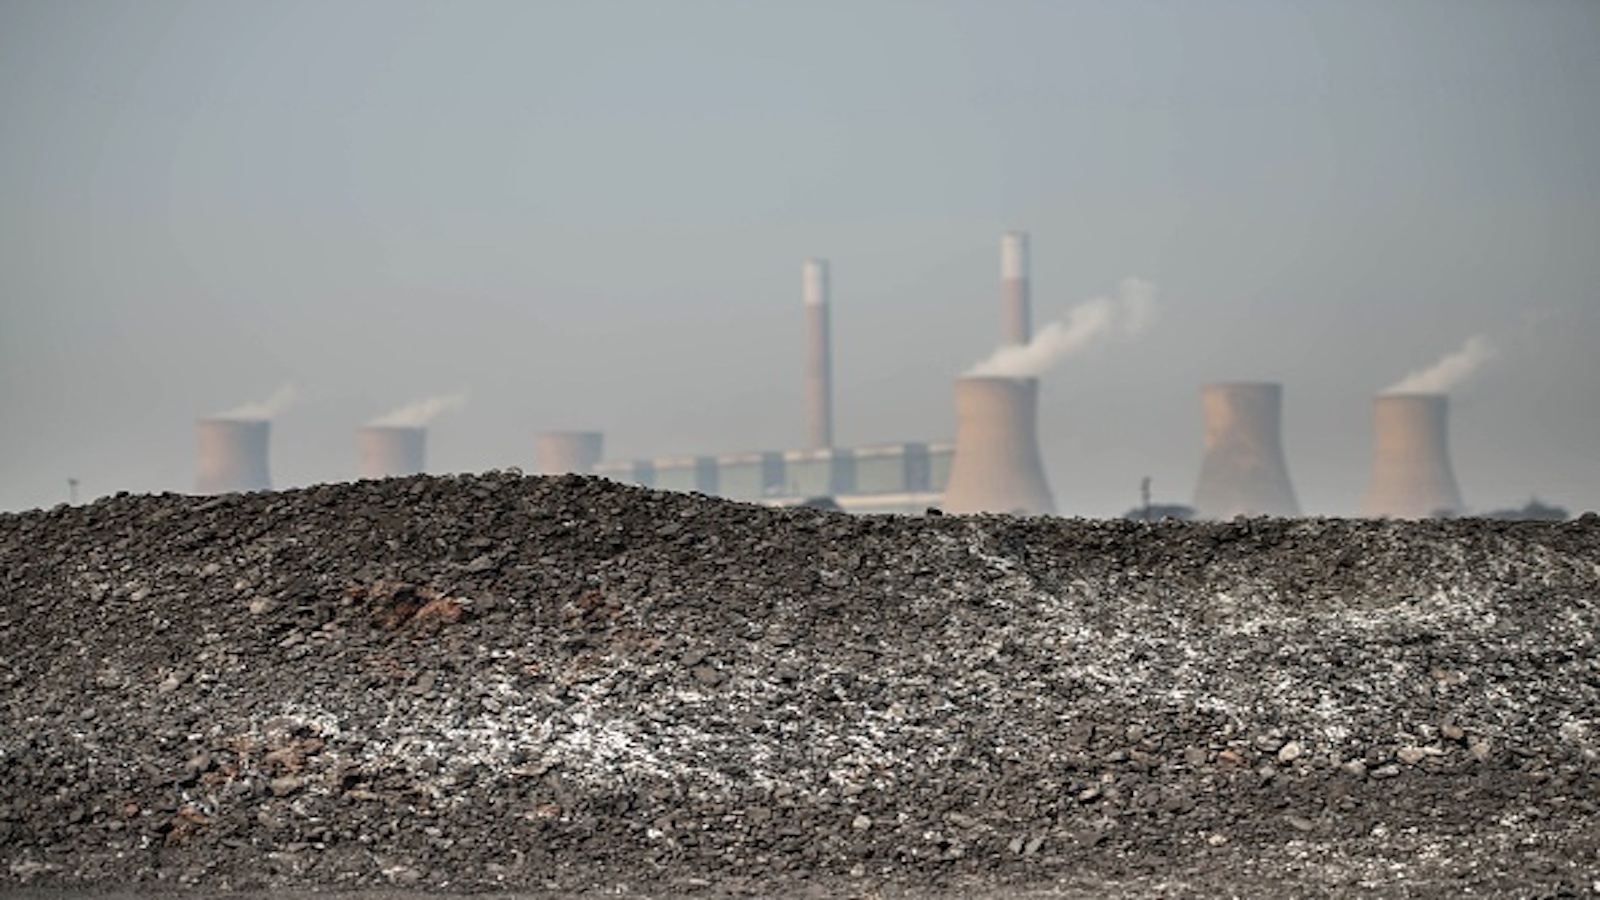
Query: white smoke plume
{"points": [[267, 409], [1448, 373], [420, 413], [1127, 314]]}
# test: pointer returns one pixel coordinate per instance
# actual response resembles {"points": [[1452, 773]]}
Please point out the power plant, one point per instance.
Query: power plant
{"points": [[391, 451], [997, 465], [1411, 474], [569, 452], [1243, 470], [232, 455], [994, 462]]}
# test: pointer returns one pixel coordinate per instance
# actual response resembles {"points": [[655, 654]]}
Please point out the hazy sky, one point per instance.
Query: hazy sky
{"points": [[593, 214]]}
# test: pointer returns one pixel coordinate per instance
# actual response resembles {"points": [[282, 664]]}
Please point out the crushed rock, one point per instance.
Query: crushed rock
{"points": [[558, 686]]}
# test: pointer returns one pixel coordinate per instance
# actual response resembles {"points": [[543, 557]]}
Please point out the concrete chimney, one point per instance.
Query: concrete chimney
{"points": [[569, 452], [1411, 474], [391, 451], [1014, 287], [233, 455], [819, 354], [997, 466], [1244, 471]]}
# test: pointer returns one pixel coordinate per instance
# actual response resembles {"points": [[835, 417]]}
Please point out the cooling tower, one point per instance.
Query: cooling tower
{"points": [[819, 354], [1411, 474], [233, 455], [1014, 287], [391, 451], [997, 466], [564, 452], [1243, 471]]}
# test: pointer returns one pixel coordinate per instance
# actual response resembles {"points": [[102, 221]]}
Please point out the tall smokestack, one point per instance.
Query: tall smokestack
{"points": [[391, 451], [819, 354], [1411, 474], [233, 455], [569, 452], [1243, 471], [1014, 287], [997, 466]]}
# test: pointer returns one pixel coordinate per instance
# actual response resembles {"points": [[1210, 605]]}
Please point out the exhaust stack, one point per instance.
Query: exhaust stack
{"points": [[997, 466], [819, 354], [232, 455], [569, 452], [1411, 473], [1014, 287], [391, 451], [1243, 471]]}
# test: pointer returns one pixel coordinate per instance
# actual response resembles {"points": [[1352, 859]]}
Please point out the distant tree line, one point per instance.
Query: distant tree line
{"points": [[1533, 511]]}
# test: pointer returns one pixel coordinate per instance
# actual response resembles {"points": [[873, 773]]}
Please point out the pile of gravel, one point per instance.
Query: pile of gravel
{"points": [[565, 685]]}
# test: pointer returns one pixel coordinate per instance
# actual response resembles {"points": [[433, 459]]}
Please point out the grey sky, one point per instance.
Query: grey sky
{"points": [[593, 214]]}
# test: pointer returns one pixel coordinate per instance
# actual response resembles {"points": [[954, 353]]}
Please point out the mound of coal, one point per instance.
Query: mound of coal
{"points": [[565, 684]]}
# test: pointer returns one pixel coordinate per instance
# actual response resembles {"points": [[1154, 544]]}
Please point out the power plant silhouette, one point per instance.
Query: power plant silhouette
{"points": [[563, 452], [1243, 471], [819, 355], [993, 464], [391, 451], [232, 455], [998, 467], [1411, 474]]}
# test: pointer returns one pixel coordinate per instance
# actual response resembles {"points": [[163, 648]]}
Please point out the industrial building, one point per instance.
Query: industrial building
{"points": [[907, 477]]}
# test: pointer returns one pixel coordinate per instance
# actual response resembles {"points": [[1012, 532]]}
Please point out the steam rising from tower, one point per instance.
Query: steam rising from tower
{"points": [[1411, 473], [1243, 471], [270, 408], [1014, 287], [819, 354], [1448, 373], [997, 466], [569, 452], [420, 413], [1127, 314]]}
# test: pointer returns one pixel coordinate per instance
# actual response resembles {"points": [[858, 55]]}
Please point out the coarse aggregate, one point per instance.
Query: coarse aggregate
{"points": [[562, 686]]}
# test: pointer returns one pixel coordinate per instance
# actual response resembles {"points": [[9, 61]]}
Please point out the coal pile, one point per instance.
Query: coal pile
{"points": [[562, 685]]}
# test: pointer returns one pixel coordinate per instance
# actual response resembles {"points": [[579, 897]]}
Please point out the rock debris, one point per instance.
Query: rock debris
{"points": [[566, 686]]}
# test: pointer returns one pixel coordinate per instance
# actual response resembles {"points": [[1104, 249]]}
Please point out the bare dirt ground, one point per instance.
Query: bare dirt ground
{"points": [[542, 688]]}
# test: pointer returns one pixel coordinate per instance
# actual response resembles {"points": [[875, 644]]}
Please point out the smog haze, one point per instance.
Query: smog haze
{"points": [[593, 216]]}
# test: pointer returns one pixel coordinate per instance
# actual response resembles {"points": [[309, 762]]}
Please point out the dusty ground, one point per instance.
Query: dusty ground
{"points": [[559, 687]]}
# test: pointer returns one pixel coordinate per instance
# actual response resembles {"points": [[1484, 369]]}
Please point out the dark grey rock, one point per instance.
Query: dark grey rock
{"points": [[498, 683]]}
